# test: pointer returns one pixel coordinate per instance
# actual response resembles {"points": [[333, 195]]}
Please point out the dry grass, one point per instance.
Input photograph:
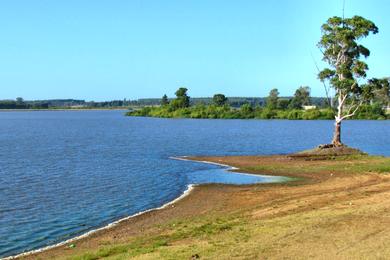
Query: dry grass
{"points": [[336, 208]]}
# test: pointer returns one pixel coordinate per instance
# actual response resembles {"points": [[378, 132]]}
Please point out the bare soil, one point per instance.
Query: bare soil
{"points": [[334, 209]]}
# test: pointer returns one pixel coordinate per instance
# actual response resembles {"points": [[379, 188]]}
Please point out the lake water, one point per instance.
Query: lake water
{"points": [[63, 173]]}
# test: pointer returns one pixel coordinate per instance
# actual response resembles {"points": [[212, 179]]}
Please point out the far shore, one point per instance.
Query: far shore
{"points": [[335, 208], [61, 109]]}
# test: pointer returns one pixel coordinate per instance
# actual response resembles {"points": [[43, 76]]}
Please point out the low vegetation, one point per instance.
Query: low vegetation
{"points": [[296, 108]]}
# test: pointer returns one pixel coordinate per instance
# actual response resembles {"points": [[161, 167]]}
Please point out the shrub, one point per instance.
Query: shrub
{"points": [[311, 114]]}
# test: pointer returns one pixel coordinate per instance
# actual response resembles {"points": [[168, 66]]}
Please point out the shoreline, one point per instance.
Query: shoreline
{"points": [[190, 187], [186, 158], [63, 109], [326, 194], [233, 170], [187, 191]]}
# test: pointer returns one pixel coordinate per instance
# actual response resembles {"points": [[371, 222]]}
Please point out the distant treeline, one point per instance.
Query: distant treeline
{"points": [[300, 106], [19, 103], [235, 102]]}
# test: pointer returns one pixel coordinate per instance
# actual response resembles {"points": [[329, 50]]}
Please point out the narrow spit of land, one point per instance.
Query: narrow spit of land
{"points": [[336, 208]]}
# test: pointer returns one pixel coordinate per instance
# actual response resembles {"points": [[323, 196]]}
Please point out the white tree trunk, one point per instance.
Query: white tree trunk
{"points": [[338, 118]]}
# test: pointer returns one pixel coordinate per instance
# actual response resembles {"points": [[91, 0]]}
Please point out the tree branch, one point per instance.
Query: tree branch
{"points": [[353, 113], [343, 100], [323, 82], [339, 55], [350, 108]]}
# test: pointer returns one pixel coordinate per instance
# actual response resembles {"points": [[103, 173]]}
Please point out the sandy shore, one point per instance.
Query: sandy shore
{"points": [[335, 209]]}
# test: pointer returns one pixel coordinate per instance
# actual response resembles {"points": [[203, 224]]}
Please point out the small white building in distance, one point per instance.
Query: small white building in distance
{"points": [[309, 107], [77, 106]]}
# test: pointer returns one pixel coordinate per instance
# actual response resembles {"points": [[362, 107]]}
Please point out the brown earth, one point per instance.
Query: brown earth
{"points": [[335, 209]]}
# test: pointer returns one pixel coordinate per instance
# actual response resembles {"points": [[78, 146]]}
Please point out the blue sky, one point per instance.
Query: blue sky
{"points": [[103, 50]]}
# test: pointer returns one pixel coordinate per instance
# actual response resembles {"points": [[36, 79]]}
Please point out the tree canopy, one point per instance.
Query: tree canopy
{"points": [[272, 99], [301, 98], [164, 100], [219, 100], [182, 99]]}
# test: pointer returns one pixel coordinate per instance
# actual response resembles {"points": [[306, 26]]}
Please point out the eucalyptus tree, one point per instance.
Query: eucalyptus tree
{"points": [[182, 100], [220, 100], [19, 100], [341, 50], [301, 98], [272, 99], [164, 100]]}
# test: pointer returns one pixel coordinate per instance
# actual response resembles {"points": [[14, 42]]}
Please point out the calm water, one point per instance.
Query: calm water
{"points": [[62, 173]]}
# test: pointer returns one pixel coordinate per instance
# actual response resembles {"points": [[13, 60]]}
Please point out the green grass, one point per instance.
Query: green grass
{"points": [[201, 228], [350, 164], [138, 247]]}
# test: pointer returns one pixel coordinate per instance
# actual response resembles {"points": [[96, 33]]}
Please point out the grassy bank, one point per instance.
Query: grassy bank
{"points": [[337, 208]]}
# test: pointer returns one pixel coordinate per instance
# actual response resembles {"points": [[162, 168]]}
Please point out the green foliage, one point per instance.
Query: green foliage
{"points": [[219, 100], [283, 103], [145, 111], [19, 100], [311, 114], [268, 113], [301, 98], [272, 100], [275, 109], [295, 114], [246, 111], [341, 50], [232, 101], [164, 100], [327, 113], [19, 103], [182, 99], [380, 90], [374, 112]]}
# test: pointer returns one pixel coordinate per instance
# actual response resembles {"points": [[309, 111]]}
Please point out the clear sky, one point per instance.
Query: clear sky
{"points": [[115, 49]]}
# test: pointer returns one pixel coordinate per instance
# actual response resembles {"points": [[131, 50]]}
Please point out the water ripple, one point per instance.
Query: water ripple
{"points": [[64, 173]]}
